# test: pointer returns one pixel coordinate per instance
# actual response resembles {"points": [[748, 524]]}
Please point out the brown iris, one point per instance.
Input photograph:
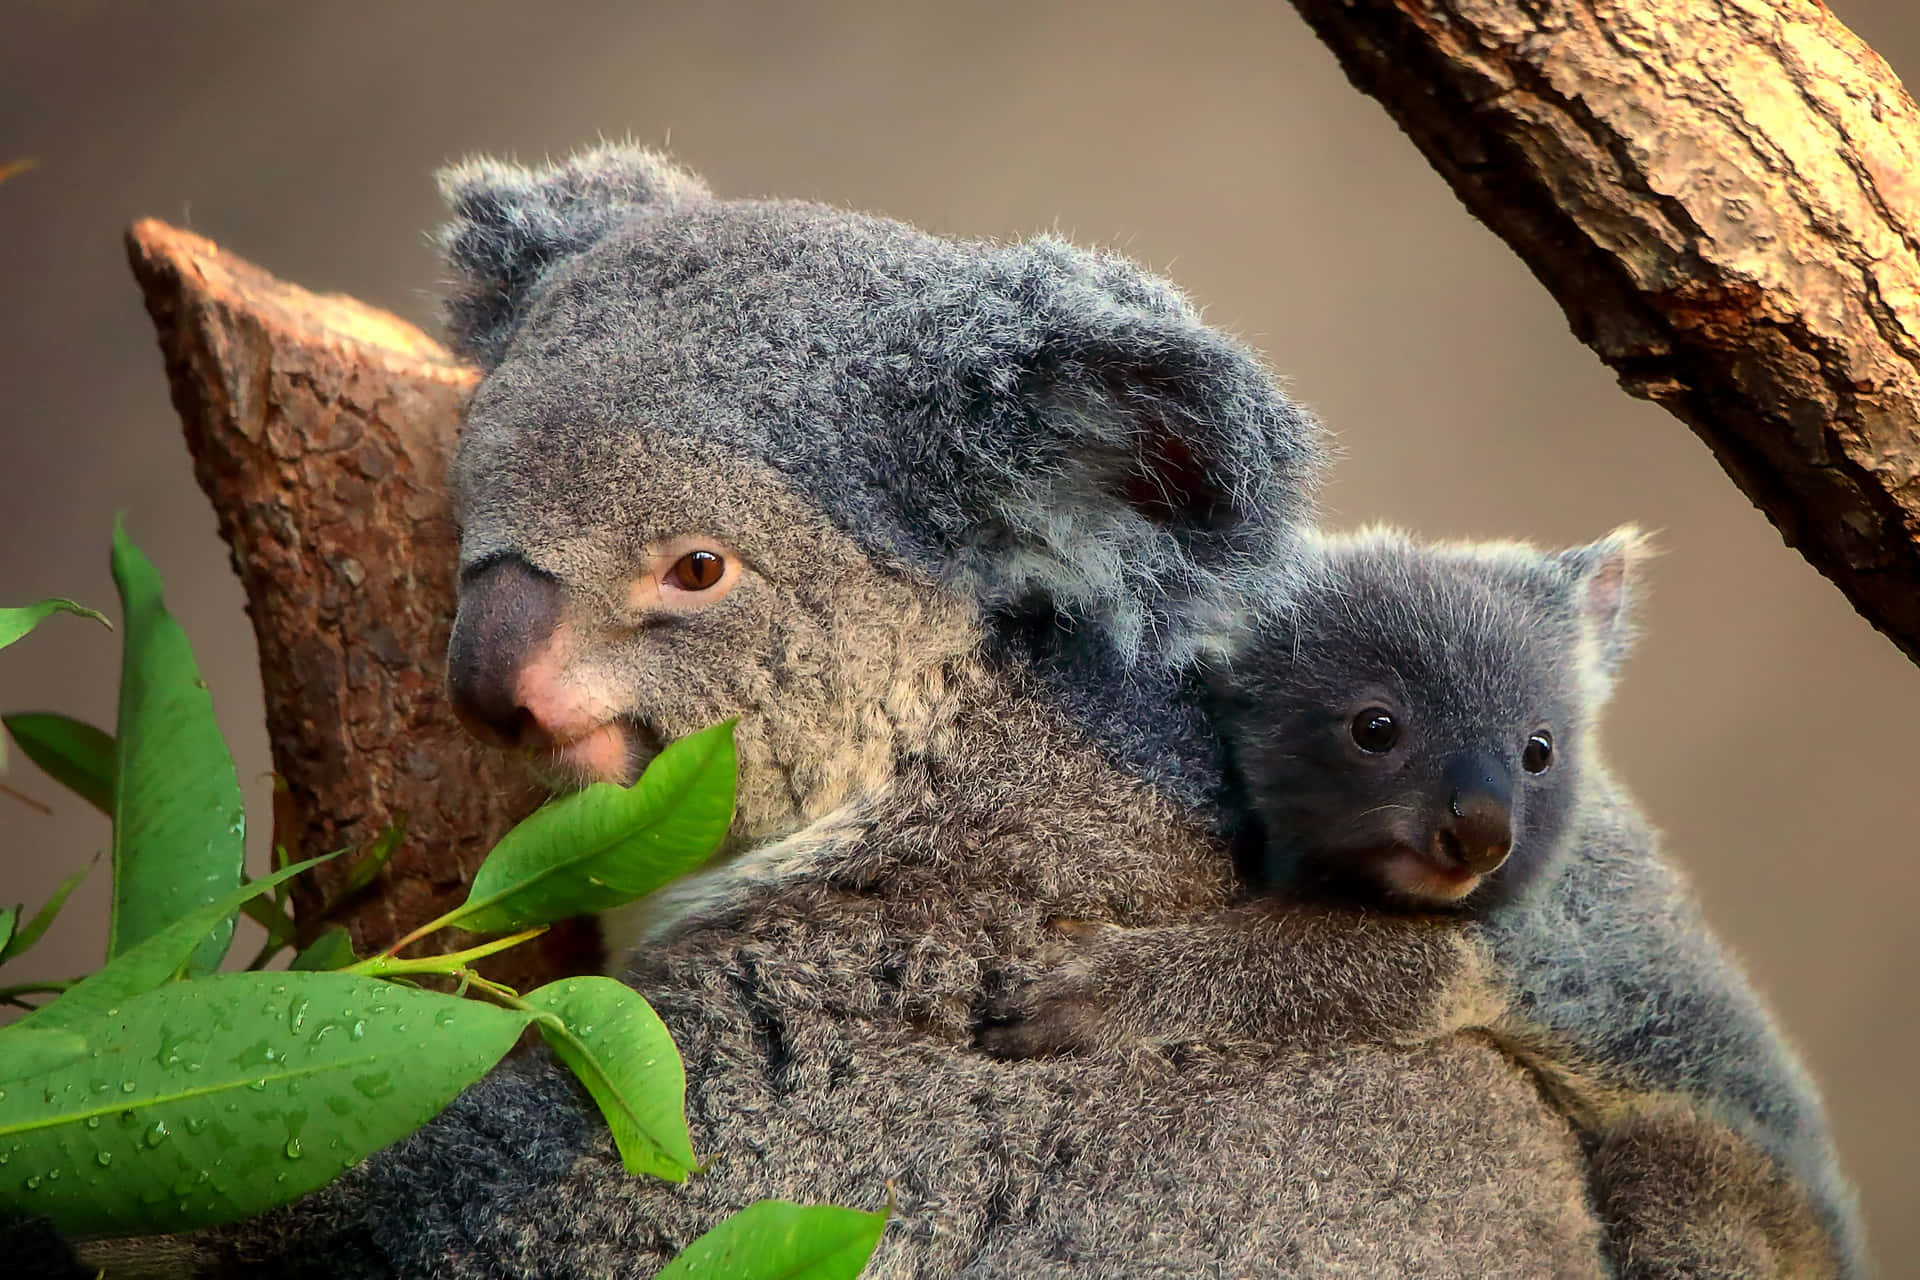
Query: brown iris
{"points": [[697, 571]]}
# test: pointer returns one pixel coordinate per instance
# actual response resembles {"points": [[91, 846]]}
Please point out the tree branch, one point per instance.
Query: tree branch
{"points": [[1724, 197], [320, 430]]}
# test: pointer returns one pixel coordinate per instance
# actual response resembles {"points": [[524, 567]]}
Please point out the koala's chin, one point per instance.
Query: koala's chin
{"points": [[612, 752]]}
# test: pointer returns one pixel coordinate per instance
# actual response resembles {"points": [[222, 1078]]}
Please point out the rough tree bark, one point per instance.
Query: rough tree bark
{"points": [[1724, 197], [320, 430]]}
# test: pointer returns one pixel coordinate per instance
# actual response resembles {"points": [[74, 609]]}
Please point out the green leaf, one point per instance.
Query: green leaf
{"points": [[38, 1051], [215, 1099], [15, 623], [333, 949], [74, 754], [776, 1240], [366, 868], [607, 845], [178, 825], [268, 915], [612, 1039], [154, 962], [19, 943], [9, 917]]}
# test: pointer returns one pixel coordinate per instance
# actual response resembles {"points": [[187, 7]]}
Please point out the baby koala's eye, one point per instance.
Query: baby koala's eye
{"points": [[698, 571], [1538, 753], [1375, 731]]}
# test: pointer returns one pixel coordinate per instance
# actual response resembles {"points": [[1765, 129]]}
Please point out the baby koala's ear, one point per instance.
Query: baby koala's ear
{"points": [[511, 224], [1606, 577]]}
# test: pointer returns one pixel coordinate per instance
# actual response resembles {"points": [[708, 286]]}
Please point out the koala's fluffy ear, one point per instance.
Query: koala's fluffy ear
{"points": [[1606, 579], [1151, 477], [511, 224]]}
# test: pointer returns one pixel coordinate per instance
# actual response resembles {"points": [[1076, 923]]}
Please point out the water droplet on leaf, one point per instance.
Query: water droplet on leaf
{"points": [[378, 1085]]}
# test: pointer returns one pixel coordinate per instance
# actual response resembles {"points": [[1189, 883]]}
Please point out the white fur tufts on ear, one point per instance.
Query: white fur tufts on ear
{"points": [[1606, 577]]}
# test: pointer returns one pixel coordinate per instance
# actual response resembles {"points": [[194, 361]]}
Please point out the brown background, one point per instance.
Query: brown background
{"points": [[1766, 727]]}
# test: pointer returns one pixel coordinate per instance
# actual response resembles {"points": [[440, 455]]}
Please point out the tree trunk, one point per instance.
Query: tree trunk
{"points": [[320, 430], [1724, 197]]}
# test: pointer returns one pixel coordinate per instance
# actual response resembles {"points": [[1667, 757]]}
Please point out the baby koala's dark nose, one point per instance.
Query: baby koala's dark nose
{"points": [[1475, 830], [508, 610]]}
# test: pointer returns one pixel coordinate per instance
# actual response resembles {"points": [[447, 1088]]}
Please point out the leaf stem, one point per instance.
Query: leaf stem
{"points": [[386, 964], [499, 991], [431, 926], [35, 988]]}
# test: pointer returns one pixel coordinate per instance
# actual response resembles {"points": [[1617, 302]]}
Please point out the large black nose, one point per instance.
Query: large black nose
{"points": [[508, 609], [1475, 830]]}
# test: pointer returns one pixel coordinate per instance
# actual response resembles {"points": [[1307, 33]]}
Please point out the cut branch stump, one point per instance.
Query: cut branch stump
{"points": [[320, 430]]}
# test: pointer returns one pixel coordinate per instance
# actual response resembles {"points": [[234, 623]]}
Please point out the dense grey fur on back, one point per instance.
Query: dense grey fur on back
{"points": [[985, 497], [1612, 984]]}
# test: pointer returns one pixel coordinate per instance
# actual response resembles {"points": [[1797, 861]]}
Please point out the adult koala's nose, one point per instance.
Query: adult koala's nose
{"points": [[508, 611], [1475, 830]]}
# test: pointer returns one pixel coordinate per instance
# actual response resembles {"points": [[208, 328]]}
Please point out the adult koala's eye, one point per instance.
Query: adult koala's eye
{"points": [[684, 575], [1538, 753], [698, 571], [1375, 731]]}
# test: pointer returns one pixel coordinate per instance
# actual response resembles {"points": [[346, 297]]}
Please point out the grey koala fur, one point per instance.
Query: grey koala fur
{"points": [[988, 499], [1710, 1150]]}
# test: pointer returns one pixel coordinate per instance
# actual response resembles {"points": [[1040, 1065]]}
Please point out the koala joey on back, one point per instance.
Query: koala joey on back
{"points": [[1414, 742]]}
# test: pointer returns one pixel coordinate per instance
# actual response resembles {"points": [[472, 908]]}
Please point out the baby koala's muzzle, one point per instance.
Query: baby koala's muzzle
{"points": [[1475, 830]]}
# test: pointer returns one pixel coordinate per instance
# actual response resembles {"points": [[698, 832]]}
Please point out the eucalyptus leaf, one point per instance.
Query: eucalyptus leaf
{"points": [[333, 949], [156, 961], [15, 623], [778, 1240], [73, 753], [36, 1051], [207, 1101], [269, 916], [367, 867], [607, 845], [614, 1042], [178, 825], [20, 942]]}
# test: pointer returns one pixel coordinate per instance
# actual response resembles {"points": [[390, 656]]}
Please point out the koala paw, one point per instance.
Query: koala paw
{"points": [[1059, 1010]]}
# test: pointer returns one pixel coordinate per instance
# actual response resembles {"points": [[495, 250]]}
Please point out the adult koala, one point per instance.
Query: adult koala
{"points": [[934, 519]]}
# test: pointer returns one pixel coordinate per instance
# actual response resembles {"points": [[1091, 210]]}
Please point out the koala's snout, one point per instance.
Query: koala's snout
{"points": [[1475, 830], [508, 611]]}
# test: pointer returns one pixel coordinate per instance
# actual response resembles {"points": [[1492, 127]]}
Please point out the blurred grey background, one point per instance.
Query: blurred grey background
{"points": [[1766, 727]]}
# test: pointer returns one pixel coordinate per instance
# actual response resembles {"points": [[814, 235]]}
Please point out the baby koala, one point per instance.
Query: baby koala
{"points": [[1414, 735], [1407, 745], [1436, 845]]}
